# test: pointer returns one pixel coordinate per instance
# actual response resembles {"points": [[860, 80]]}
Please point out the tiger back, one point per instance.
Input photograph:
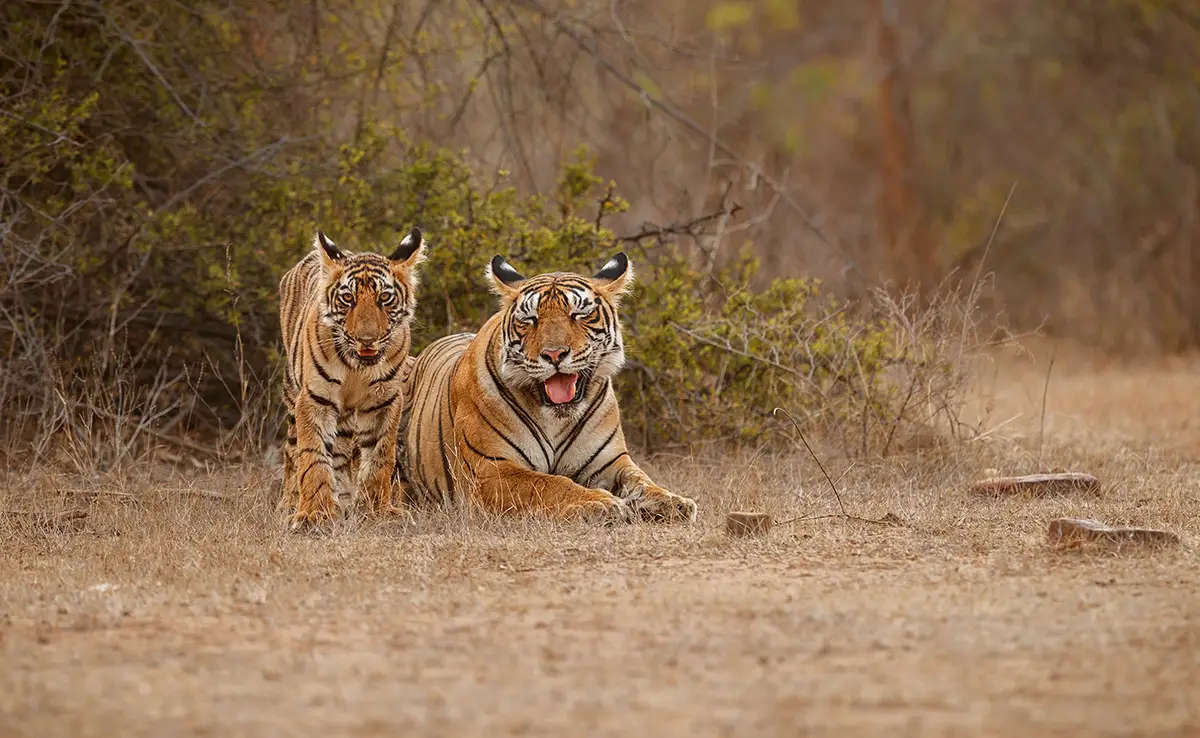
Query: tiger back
{"points": [[345, 320], [522, 416]]}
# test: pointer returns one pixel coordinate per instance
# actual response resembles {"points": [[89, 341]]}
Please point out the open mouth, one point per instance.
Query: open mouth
{"points": [[367, 355], [563, 389]]}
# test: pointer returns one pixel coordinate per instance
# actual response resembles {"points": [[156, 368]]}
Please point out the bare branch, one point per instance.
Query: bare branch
{"points": [[585, 45]]}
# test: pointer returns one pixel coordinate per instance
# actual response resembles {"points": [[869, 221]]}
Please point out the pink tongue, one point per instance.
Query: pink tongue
{"points": [[561, 388]]}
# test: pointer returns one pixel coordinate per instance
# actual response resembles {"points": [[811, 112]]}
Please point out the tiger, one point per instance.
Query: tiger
{"points": [[345, 319], [522, 417]]}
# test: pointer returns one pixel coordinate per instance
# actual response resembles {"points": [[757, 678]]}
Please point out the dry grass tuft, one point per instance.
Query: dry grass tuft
{"points": [[178, 605]]}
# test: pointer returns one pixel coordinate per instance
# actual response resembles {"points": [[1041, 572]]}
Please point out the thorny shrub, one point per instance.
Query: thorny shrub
{"points": [[141, 250]]}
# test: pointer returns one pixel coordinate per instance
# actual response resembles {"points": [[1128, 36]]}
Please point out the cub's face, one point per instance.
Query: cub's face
{"points": [[368, 299], [559, 331]]}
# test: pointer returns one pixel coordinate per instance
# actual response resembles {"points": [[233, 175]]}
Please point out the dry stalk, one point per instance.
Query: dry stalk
{"points": [[888, 519], [1042, 422]]}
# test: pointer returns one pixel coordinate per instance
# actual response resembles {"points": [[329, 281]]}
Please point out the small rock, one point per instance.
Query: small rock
{"points": [[1037, 485], [748, 523], [1068, 532]]}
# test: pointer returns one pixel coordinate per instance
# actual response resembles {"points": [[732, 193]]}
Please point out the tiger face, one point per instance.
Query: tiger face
{"points": [[560, 331], [368, 300]]}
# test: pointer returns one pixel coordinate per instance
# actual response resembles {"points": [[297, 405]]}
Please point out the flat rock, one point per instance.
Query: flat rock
{"points": [[1074, 531], [739, 523], [1037, 485]]}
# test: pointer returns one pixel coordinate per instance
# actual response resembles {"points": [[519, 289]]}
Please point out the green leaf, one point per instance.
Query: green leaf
{"points": [[726, 15]]}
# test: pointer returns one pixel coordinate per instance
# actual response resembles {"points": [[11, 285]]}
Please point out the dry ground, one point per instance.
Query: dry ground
{"points": [[177, 608]]}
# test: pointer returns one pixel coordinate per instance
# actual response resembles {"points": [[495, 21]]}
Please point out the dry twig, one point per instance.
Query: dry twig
{"points": [[888, 519]]}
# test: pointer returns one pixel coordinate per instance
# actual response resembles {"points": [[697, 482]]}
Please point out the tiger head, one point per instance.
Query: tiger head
{"points": [[560, 331], [368, 300]]}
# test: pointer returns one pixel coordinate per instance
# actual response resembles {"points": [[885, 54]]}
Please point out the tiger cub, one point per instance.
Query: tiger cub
{"points": [[345, 320]]}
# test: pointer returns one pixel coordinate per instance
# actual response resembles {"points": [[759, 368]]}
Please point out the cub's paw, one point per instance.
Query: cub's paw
{"points": [[658, 505], [289, 493], [604, 509], [317, 514]]}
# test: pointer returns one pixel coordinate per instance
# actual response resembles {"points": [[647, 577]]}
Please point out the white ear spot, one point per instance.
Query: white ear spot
{"points": [[614, 269]]}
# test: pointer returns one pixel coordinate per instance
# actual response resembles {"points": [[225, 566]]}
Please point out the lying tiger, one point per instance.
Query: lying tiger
{"points": [[346, 325], [522, 416]]}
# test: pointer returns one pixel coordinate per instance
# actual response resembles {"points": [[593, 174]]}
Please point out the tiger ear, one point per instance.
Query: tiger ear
{"points": [[505, 280], [411, 250], [331, 255], [614, 278]]}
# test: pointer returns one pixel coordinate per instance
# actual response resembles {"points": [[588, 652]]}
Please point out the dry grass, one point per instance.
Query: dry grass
{"points": [[179, 607]]}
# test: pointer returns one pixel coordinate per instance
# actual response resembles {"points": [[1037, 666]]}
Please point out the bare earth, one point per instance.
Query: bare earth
{"points": [[179, 607]]}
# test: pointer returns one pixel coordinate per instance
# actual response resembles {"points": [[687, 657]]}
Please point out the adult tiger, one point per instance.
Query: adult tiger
{"points": [[345, 319], [522, 416]]}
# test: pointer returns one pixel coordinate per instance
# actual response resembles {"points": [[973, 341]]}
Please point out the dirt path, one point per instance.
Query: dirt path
{"points": [[180, 614], [689, 647]]}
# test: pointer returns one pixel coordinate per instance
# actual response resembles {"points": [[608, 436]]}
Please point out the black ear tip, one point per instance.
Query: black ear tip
{"points": [[408, 245], [504, 272], [614, 267], [329, 247]]}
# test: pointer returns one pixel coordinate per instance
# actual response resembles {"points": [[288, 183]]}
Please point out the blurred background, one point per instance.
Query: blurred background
{"points": [[161, 165]]}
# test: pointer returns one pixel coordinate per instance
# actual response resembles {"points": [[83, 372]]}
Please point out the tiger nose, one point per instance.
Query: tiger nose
{"points": [[555, 354]]}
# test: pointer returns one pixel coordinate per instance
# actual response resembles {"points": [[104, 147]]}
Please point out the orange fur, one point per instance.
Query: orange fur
{"points": [[345, 320], [491, 417]]}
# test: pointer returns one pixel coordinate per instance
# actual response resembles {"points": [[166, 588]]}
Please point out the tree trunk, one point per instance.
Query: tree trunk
{"points": [[911, 257]]}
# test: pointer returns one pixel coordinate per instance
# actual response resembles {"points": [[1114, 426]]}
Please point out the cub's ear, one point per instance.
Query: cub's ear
{"points": [[411, 250], [614, 278], [505, 280], [331, 255]]}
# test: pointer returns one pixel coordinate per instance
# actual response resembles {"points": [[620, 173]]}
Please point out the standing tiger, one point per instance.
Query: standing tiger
{"points": [[522, 416], [346, 324]]}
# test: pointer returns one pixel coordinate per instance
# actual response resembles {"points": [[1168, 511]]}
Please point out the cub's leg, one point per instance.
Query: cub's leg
{"points": [[377, 446], [316, 429], [505, 487], [346, 461], [291, 484], [648, 500]]}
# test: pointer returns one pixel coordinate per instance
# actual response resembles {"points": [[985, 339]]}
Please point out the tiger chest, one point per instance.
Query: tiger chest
{"points": [[568, 451], [365, 405]]}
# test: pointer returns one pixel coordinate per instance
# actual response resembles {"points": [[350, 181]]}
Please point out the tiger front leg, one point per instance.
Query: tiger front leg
{"points": [[316, 426], [377, 465], [291, 484], [346, 462], [648, 500], [504, 487]]}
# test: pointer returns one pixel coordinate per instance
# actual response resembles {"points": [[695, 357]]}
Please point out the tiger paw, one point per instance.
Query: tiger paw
{"points": [[659, 505], [378, 488], [289, 494], [604, 508], [316, 514], [392, 512]]}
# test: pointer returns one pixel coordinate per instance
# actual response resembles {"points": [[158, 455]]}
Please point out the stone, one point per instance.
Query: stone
{"points": [[1037, 485], [1068, 532]]}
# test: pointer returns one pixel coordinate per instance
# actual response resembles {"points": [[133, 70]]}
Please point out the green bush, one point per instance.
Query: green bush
{"points": [[709, 357], [144, 229]]}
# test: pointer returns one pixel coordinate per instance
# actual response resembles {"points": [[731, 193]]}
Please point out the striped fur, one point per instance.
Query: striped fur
{"points": [[345, 319], [494, 416]]}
